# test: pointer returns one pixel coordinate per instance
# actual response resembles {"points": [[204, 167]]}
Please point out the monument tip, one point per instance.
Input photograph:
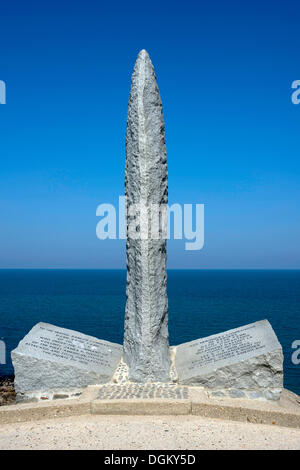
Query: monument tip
{"points": [[143, 54]]}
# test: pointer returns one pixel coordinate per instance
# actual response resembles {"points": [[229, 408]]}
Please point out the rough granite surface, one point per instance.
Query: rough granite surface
{"points": [[146, 340], [253, 361], [50, 357]]}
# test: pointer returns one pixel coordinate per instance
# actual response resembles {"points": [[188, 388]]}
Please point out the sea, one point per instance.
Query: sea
{"points": [[201, 303]]}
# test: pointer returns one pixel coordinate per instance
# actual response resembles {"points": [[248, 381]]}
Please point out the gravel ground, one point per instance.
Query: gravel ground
{"points": [[7, 391], [145, 432]]}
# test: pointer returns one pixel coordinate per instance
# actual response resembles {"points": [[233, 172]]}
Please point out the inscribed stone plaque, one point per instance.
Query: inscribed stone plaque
{"points": [[51, 357], [249, 357]]}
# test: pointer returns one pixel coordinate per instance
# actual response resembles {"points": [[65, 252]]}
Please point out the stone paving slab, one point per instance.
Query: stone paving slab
{"points": [[142, 391], [285, 412], [142, 407]]}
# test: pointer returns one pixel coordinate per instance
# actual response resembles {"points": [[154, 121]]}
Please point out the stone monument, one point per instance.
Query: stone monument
{"points": [[146, 340], [243, 362], [50, 357]]}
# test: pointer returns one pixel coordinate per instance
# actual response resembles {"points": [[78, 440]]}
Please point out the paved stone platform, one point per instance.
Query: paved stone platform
{"points": [[97, 400], [142, 391]]}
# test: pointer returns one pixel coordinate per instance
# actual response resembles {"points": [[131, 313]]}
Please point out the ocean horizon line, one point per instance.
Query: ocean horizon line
{"points": [[168, 269]]}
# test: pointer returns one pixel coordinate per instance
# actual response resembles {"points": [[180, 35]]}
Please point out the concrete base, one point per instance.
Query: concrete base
{"points": [[285, 412]]}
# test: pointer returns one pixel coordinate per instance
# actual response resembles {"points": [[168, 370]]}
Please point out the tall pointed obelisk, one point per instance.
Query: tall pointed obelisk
{"points": [[146, 339]]}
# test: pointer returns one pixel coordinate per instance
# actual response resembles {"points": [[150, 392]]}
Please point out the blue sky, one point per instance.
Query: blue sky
{"points": [[224, 70]]}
